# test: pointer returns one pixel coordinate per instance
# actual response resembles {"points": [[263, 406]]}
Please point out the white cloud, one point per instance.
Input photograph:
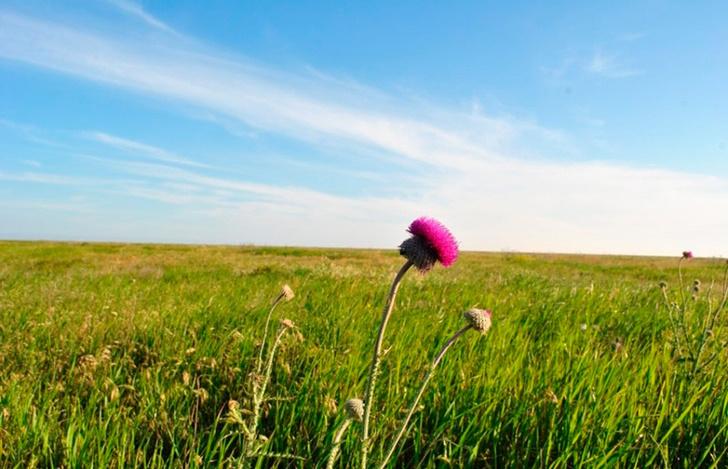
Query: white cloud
{"points": [[609, 66], [491, 198]]}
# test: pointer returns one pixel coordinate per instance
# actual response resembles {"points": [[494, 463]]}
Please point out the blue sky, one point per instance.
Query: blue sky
{"points": [[535, 126]]}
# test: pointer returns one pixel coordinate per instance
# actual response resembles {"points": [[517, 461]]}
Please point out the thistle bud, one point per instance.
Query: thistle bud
{"points": [[287, 293], [354, 409], [479, 319]]}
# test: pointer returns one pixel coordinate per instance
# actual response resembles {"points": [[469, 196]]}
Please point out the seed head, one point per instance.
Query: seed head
{"points": [[287, 323], [354, 409], [430, 242], [479, 319], [663, 284], [287, 293]]}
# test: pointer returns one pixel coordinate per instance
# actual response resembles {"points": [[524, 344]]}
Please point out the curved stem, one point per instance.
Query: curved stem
{"points": [[259, 363], [336, 444], [412, 409], [376, 361]]}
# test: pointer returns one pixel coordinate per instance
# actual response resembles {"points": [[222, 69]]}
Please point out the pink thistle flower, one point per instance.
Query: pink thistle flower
{"points": [[431, 242], [687, 254]]}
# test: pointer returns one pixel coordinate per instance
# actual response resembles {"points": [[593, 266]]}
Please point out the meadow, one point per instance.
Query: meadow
{"points": [[118, 355]]}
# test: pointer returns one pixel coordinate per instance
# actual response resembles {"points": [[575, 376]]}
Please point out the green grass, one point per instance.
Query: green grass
{"points": [[118, 355]]}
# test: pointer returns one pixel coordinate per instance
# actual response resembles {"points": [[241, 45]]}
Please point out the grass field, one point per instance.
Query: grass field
{"points": [[118, 355]]}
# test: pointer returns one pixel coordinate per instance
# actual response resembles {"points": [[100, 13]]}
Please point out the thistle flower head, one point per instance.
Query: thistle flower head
{"points": [[354, 409], [663, 284], [479, 319], [430, 242], [687, 254], [287, 293]]}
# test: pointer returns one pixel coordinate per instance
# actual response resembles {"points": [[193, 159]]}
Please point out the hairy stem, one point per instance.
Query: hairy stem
{"points": [[258, 394], [713, 315], [683, 311], [259, 362], [336, 444], [413, 407], [376, 361], [675, 330]]}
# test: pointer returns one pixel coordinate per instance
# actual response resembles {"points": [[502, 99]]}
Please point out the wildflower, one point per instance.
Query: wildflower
{"points": [[354, 409], [479, 319], [687, 254], [430, 242], [663, 284]]}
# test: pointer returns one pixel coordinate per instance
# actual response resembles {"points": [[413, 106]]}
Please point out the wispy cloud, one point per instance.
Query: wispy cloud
{"points": [[471, 176], [610, 66], [262, 98], [142, 149], [136, 10]]}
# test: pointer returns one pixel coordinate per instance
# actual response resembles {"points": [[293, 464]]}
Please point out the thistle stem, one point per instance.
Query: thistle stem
{"points": [[376, 361], [412, 409], [258, 394], [336, 443], [713, 315], [259, 362]]}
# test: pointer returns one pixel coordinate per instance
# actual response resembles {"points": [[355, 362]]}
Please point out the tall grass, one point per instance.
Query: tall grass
{"points": [[117, 355]]}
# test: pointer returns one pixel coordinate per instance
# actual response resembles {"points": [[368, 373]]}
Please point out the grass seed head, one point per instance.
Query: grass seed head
{"points": [[479, 319]]}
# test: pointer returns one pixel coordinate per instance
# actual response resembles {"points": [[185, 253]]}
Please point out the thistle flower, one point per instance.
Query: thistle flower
{"points": [[354, 409], [479, 319], [430, 242], [687, 254], [663, 284]]}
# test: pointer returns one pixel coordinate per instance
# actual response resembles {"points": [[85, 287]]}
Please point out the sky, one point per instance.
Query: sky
{"points": [[585, 127]]}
